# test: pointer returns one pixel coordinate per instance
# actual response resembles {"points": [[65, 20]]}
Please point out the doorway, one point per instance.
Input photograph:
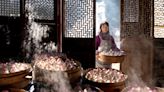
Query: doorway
{"points": [[109, 10]]}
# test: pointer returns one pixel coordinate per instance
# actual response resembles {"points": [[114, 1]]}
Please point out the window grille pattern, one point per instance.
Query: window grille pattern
{"points": [[79, 18], [9, 7], [43, 8], [159, 18], [131, 11]]}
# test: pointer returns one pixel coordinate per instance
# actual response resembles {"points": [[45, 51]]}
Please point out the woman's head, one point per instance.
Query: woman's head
{"points": [[104, 27]]}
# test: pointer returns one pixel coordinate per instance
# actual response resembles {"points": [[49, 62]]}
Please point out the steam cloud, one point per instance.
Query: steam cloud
{"points": [[33, 45], [35, 33], [138, 62], [58, 82]]}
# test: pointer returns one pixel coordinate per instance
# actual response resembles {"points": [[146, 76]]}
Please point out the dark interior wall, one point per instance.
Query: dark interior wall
{"points": [[10, 37], [15, 30], [81, 49], [159, 61]]}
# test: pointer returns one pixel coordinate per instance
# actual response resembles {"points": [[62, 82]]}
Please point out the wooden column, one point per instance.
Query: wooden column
{"points": [[59, 24]]}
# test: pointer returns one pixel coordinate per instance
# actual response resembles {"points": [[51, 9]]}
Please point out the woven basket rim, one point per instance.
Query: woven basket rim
{"points": [[29, 69]]}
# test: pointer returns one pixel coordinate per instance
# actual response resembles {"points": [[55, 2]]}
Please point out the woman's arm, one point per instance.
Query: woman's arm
{"points": [[97, 45], [97, 42]]}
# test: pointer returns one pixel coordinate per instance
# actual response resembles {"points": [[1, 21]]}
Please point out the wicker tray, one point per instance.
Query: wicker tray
{"points": [[16, 78], [17, 73], [110, 59]]}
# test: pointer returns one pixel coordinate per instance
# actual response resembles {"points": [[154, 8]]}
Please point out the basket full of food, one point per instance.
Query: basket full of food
{"points": [[50, 69], [109, 80], [13, 74], [111, 56]]}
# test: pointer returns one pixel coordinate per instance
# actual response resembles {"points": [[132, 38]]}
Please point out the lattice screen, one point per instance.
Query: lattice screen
{"points": [[131, 11], [43, 8], [9, 7], [159, 18], [79, 18]]}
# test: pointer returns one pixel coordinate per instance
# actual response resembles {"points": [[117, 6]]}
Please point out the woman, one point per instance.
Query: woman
{"points": [[104, 42]]}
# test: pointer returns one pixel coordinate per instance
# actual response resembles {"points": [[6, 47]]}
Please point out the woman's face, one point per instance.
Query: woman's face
{"points": [[104, 28]]}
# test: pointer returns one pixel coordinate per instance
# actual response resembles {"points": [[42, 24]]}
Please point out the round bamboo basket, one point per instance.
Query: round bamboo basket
{"points": [[41, 75], [16, 80], [106, 87], [110, 59]]}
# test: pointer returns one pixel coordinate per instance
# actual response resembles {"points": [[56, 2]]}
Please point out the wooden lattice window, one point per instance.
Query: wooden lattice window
{"points": [[79, 18], [131, 11], [41, 33], [43, 8], [158, 18], [10, 8]]}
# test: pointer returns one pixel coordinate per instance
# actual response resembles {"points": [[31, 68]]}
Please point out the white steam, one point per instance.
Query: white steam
{"points": [[34, 35], [138, 61], [58, 81], [33, 44]]}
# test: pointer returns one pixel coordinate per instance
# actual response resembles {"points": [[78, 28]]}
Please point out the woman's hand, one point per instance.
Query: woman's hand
{"points": [[97, 54]]}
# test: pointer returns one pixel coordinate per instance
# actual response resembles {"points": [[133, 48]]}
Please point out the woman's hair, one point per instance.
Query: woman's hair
{"points": [[104, 23]]}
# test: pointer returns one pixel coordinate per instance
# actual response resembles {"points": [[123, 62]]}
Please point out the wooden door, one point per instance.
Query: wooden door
{"points": [[79, 31]]}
